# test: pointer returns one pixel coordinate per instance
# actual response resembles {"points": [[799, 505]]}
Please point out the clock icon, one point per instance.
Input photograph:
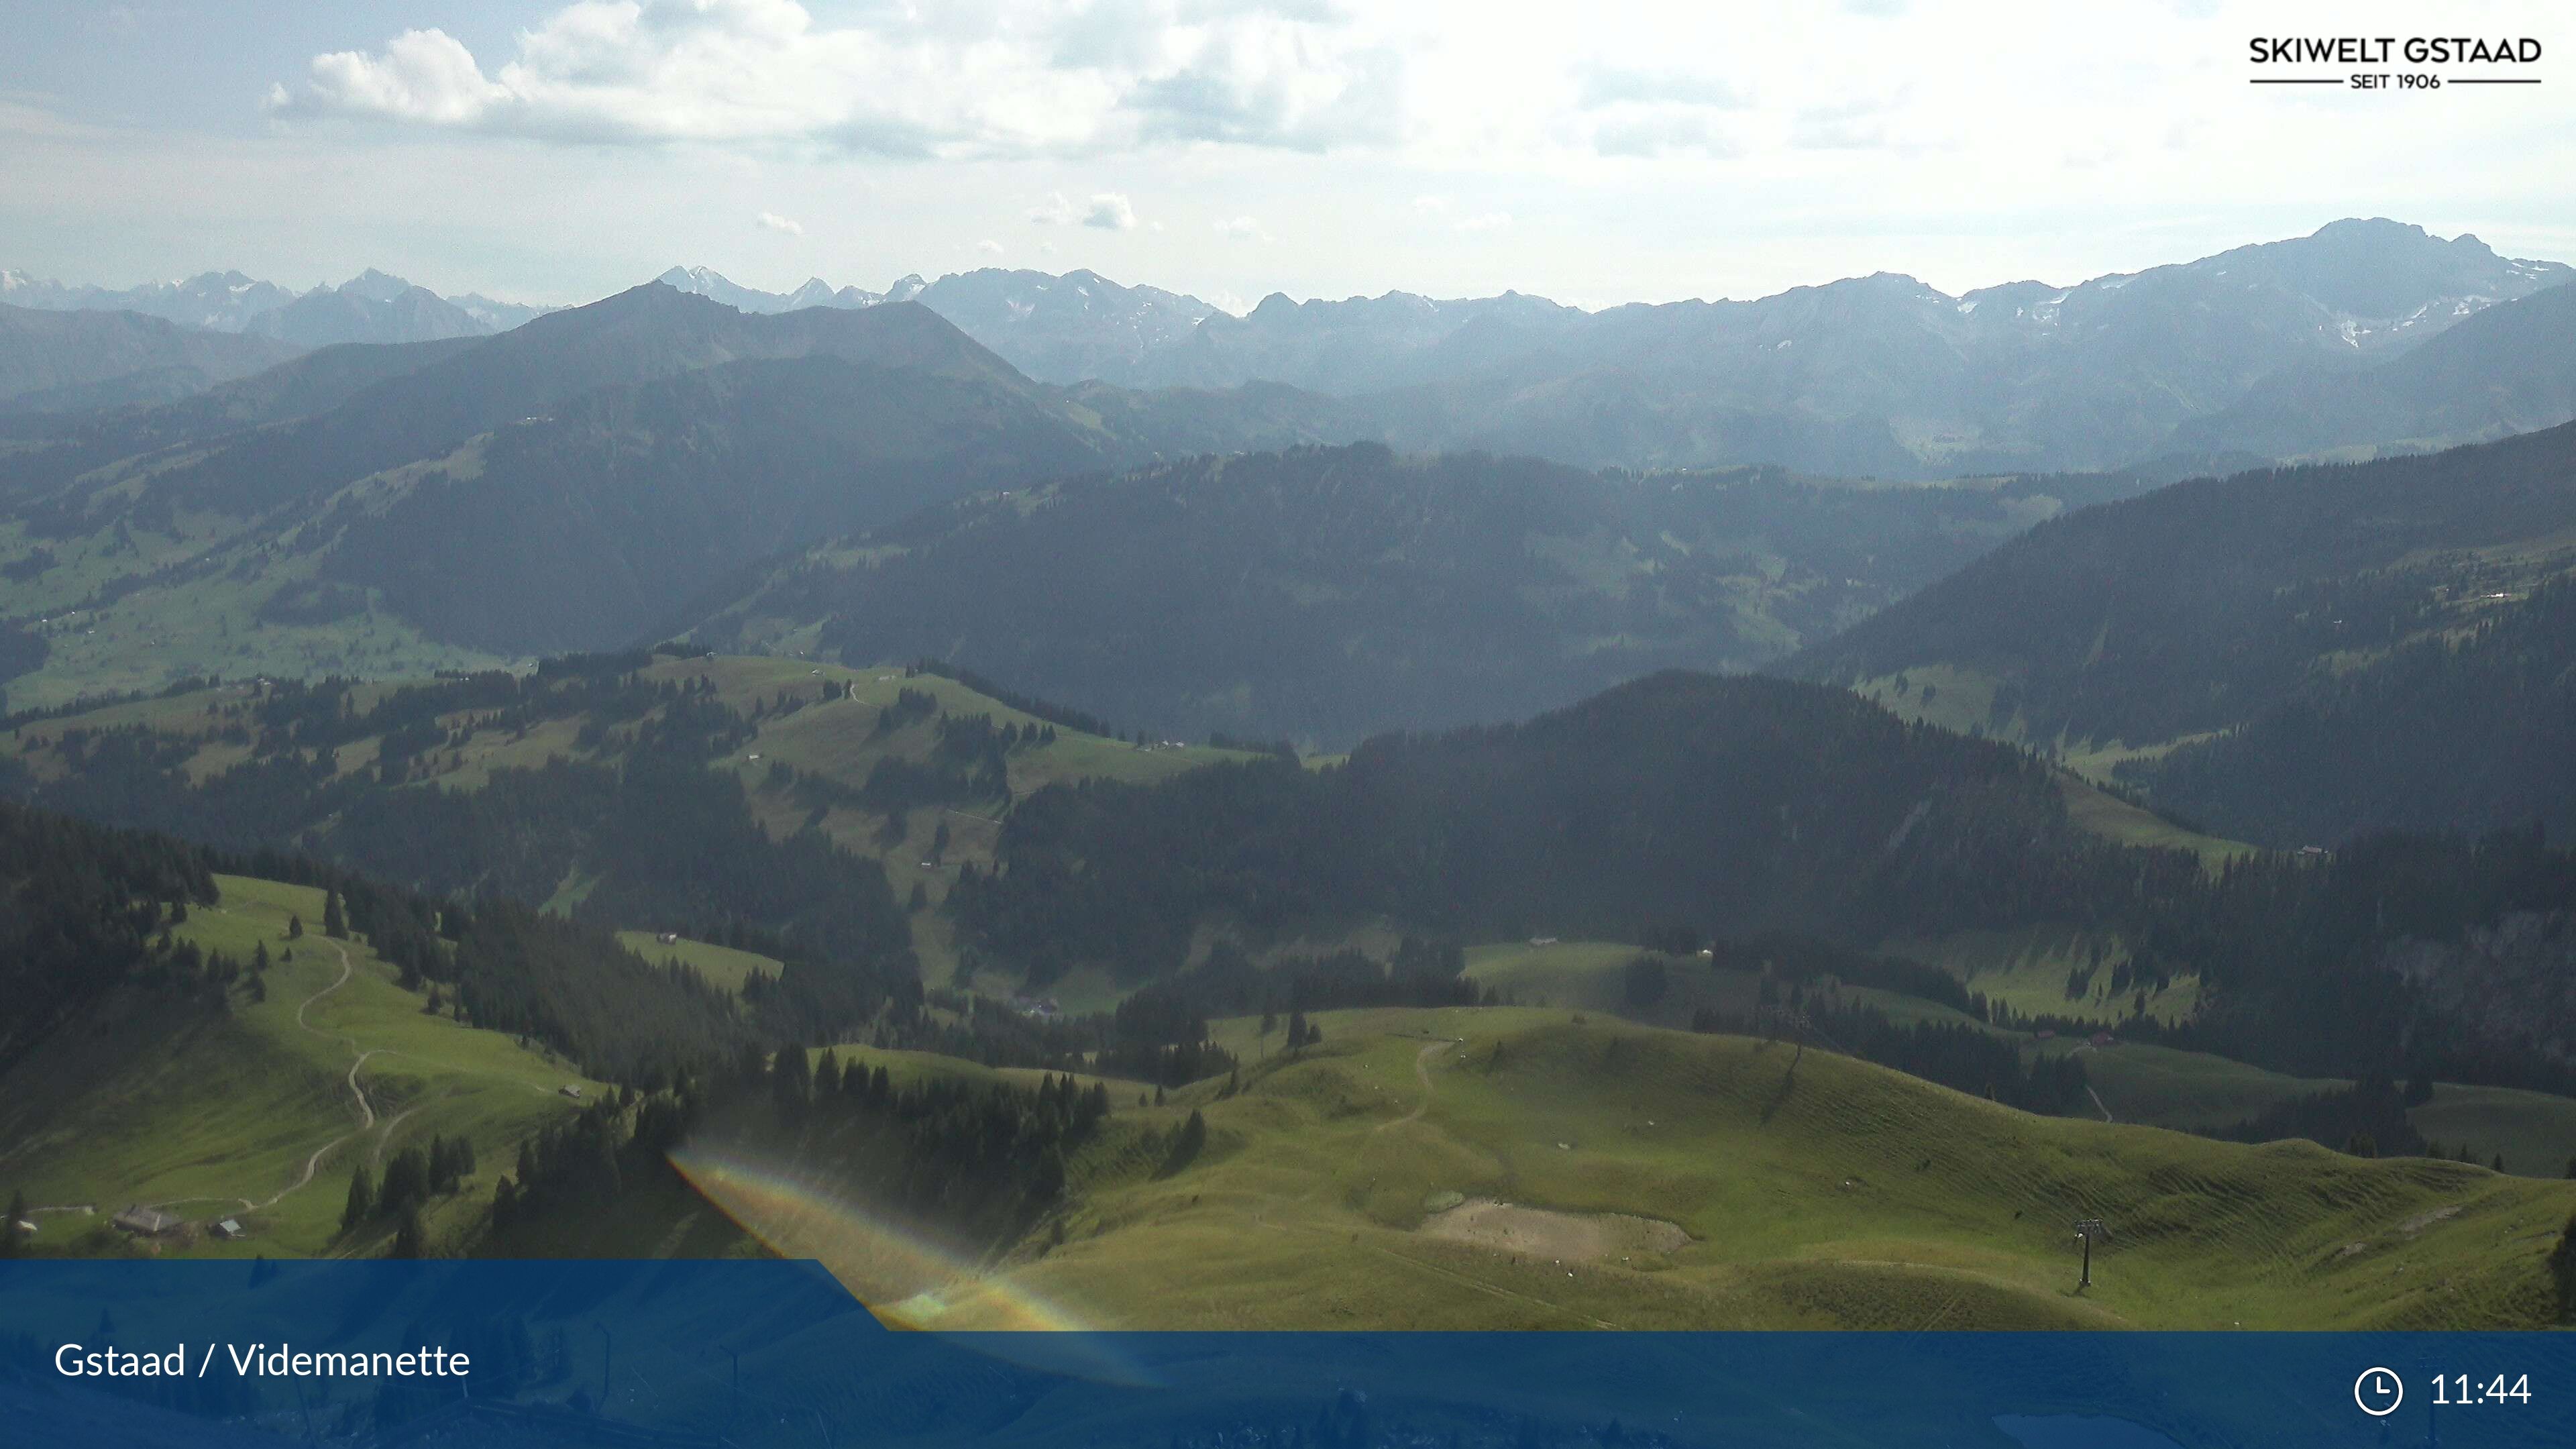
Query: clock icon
{"points": [[2378, 1391]]}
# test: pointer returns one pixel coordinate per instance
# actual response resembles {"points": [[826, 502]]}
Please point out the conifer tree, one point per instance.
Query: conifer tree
{"points": [[362, 1199]]}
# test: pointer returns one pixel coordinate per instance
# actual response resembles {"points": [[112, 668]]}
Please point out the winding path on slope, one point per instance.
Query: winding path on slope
{"points": [[366, 1109], [368, 1121], [2098, 1104], [1422, 1074]]}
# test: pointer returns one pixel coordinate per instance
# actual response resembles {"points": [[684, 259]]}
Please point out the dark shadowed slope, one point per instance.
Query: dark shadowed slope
{"points": [[1327, 593], [63, 446], [2193, 607], [65, 361], [584, 529], [2321, 605], [2471, 729]]}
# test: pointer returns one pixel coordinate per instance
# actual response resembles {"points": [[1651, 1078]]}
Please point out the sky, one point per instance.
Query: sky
{"points": [[1597, 153]]}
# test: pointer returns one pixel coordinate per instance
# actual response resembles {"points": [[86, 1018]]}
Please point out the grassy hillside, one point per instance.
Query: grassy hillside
{"points": [[838, 741], [2113, 818], [262, 1112], [724, 965], [2035, 971], [1518, 1167], [2130, 1081], [2534, 1132]]}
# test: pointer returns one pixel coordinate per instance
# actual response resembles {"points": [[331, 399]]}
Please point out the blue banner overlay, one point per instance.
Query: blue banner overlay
{"points": [[777, 1353]]}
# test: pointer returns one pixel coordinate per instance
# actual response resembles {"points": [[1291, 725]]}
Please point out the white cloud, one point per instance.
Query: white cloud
{"points": [[1488, 221], [421, 75], [772, 221], [1107, 210], [1264, 83], [1642, 111], [1110, 211], [1006, 78], [1659, 131], [1854, 126], [2040, 141], [989, 247], [1241, 228], [1598, 85]]}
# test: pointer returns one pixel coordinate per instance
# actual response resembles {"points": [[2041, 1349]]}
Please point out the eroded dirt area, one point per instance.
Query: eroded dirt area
{"points": [[1546, 1233]]}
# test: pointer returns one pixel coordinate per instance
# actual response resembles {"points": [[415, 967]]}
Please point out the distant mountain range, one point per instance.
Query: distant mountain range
{"points": [[369, 307], [2314, 346], [658, 462], [1073, 328], [782, 477], [1878, 375], [712, 285]]}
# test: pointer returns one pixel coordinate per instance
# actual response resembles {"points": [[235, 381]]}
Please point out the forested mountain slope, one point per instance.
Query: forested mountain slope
{"points": [[2472, 729], [1327, 593], [1691, 801], [1688, 807], [565, 485], [57, 448], [587, 528], [820, 809], [1874, 375], [64, 361], [2204, 605]]}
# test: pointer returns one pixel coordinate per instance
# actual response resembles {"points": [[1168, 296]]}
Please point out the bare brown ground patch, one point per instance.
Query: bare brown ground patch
{"points": [[1558, 1236]]}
